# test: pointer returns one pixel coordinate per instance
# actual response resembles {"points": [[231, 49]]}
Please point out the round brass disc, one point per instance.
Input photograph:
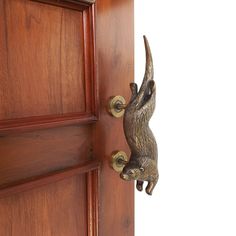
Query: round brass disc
{"points": [[119, 159], [114, 104]]}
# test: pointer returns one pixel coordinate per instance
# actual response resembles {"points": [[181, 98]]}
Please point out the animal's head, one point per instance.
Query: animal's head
{"points": [[132, 171]]}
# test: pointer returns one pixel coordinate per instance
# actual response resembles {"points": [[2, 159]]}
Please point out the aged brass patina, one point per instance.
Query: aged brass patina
{"points": [[116, 106], [142, 165], [119, 160]]}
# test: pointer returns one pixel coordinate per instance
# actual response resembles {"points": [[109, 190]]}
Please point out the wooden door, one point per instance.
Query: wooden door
{"points": [[60, 61]]}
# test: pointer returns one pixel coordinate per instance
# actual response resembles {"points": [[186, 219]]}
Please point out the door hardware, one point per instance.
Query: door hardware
{"points": [[117, 106], [119, 160], [142, 164]]}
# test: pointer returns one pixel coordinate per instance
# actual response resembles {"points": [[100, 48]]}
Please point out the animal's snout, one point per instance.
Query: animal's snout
{"points": [[124, 176]]}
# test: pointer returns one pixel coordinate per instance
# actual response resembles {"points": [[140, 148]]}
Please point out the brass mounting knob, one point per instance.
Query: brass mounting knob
{"points": [[142, 164], [118, 161], [116, 106]]}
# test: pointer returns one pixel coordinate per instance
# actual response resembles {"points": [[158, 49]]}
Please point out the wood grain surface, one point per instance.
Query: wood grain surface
{"points": [[115, 50], [47, 74], [56, 136], [52, 209], [34, 153], [44, 68]]}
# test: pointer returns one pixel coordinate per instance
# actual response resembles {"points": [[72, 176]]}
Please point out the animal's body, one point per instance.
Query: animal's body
{"points": [[142, 165]]}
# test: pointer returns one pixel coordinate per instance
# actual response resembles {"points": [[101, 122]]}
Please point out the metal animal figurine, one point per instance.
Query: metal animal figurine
{"points": [[142, 165]]}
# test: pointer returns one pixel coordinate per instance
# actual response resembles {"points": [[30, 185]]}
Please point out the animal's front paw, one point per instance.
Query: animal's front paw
{"points": [[139, 185], [150, 187], [148, 191]]}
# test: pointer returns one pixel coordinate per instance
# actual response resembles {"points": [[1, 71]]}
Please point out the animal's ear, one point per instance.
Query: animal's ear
{"points": [[142, 169]]}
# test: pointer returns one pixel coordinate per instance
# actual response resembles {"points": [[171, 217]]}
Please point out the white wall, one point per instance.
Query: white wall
{"points": [[194, 51]]}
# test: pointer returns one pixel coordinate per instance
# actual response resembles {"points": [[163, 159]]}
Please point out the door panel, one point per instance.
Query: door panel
{"points": [[38, 152], [48, 79], [63, 203], [60, 62], [47, 63], [52, 209]]}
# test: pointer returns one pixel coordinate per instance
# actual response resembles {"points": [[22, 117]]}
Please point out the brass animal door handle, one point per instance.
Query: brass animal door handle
{"points": [[142, 164]]}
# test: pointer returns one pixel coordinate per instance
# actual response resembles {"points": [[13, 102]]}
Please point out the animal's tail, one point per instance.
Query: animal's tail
{"points": [[149, 73]]}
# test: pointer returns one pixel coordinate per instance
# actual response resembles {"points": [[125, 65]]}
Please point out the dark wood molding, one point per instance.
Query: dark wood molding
{"points": [[71, 4], [32, 123], [35, 182], [81, 1], [93, 201]]}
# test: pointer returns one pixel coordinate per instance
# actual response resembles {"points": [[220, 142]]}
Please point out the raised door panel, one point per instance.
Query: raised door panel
{"points": [[44, 71], [38, 152], [53, 209], [59, 204], [47, 63]]}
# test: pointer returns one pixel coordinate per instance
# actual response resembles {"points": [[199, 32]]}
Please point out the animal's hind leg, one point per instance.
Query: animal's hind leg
{"points": [[139, 185], [148, 101], [134, 90]]}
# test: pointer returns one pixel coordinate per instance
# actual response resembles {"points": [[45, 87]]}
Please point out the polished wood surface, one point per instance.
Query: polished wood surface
{"points": [[44, 66], [115, 51], [52, 209], [86, 203], [60, 62], [34, 153], [46, 75], [89, 167]]}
